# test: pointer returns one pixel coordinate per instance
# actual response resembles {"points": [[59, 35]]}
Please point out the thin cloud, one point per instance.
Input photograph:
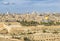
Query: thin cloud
{"points": [[31, 5]]}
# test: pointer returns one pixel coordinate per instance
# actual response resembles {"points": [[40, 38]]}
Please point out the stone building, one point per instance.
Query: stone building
{"points": [[44, 37]]}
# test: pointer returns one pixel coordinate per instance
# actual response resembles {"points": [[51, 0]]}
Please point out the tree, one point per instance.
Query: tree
{"points": [[55, 32], [30, 23], [26, 39], [44, 31]]}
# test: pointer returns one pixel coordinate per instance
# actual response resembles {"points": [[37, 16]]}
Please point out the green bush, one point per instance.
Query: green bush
{"points": [[30, 23], [26, 39], [44, 31], [47, 23], [55, 32], [57, 23]]}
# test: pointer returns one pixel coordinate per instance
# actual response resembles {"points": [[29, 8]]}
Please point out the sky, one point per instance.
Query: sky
{"points": [[20, 6]]}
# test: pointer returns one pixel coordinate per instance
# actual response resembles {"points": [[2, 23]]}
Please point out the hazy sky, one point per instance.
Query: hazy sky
{"points": [[30, 5]]}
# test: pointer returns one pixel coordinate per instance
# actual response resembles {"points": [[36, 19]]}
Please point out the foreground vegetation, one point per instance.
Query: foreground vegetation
{"points": [[34, 23], [30, 23]]}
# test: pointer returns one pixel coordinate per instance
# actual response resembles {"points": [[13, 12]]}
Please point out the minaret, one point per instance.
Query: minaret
{"points": [[7, 13], [34, 12]]}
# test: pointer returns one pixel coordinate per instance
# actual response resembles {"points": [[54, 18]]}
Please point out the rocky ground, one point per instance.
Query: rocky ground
{"points": [[17, 32]]}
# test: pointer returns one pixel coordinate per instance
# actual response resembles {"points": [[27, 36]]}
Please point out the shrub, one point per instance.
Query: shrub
{"points": [[15, 36], [55, 32], [44, 31], [30, 23], [26, 39], [47, 23], [57, 23]]}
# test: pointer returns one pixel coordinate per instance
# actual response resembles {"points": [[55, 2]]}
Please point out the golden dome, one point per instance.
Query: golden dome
{"points": [[46, 17]]}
